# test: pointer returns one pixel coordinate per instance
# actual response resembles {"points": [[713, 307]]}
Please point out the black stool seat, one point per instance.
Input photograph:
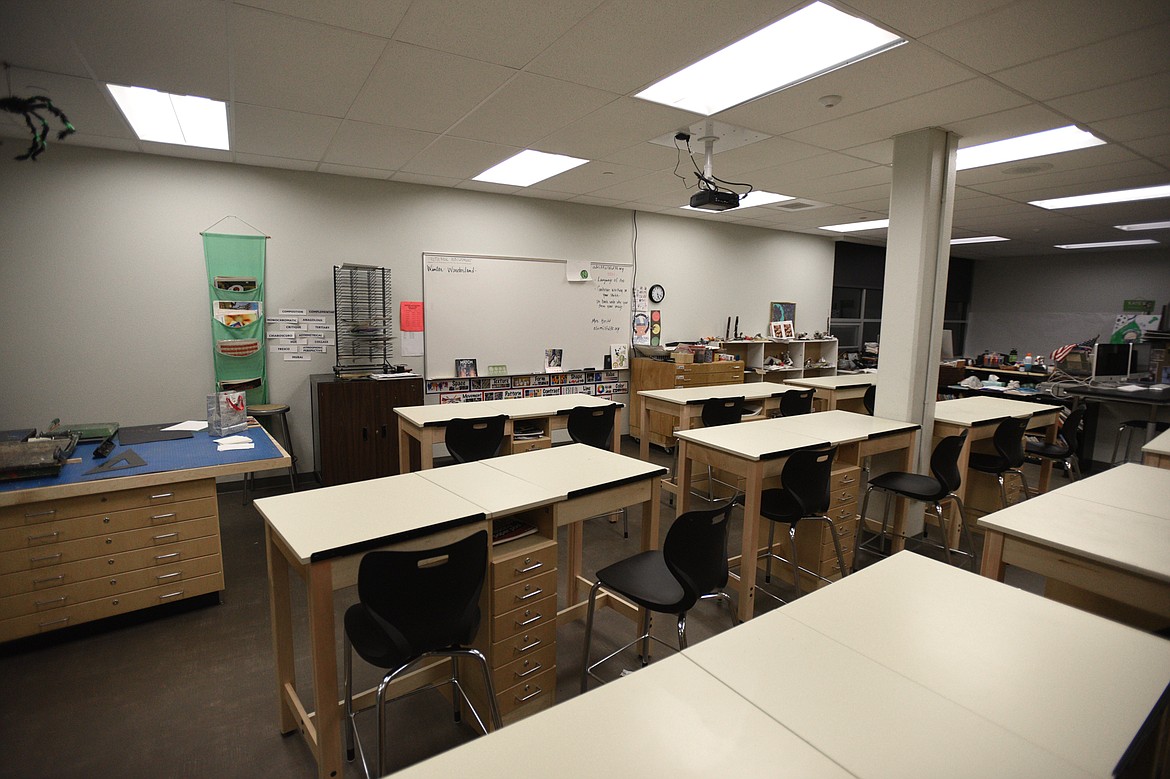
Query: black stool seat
{"points": [[262, 411], [986, 462], [1055, 450], [912, 485], [645, 579]]}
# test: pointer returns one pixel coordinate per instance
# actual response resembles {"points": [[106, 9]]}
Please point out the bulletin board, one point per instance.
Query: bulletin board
{"points": [[509, 310]]}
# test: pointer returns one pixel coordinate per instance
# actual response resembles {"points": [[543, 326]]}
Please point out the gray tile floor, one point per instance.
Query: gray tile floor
{"points": [[189, 692]]}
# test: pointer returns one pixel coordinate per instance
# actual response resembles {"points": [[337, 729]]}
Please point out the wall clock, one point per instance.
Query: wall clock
{"points": [[657, 293]]}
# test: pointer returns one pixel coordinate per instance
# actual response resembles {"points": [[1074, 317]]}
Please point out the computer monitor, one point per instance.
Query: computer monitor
{"points": [[1112, 362], [948, 346]]}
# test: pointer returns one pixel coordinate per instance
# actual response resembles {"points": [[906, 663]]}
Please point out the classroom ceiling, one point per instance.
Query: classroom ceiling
{"points": [[436, 91]]}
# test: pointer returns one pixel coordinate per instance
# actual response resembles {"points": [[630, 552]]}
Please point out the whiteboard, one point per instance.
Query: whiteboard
{"points": [[509, 310]]}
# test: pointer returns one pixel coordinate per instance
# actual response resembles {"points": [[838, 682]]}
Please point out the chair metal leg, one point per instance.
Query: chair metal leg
{"points": [[771, 540], [946, 532], [292, 458], [965, 530], [646, 638], [456, 712], [348, 721], [625, 523], [836, 544], [682, 631], [1002, 490], [860, 525], [1074, 464], [792, 552], [588, 635]]}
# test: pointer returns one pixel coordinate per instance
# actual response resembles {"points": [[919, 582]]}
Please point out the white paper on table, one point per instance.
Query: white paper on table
{"points": [[193, 425], [233, 447], [234, 439]]}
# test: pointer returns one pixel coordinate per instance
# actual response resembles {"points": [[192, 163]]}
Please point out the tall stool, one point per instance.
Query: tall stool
{"points": [[263, 411]]}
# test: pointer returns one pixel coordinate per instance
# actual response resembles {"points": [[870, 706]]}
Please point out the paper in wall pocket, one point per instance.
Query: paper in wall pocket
{"points": [[244, 347]]}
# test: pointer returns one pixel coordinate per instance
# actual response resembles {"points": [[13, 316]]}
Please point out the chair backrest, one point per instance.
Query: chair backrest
{"points": [[1009, 441], [722, 411], [1070, 430], [796, 402], [695, 551], [591, 425], [808, 477], [944, 463], [869, 399], [428, 599], [469, 440]]}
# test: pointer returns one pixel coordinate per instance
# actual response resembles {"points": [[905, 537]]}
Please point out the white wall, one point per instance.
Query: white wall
{"points": [[104, 294], [1038, 304]]}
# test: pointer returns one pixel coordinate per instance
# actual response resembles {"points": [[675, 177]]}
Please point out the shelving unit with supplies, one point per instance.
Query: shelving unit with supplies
{"points": [[812, 357]]}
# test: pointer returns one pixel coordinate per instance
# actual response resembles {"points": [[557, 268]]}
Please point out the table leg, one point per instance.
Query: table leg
{"points": [[901, 504], [280, 609], [617, 431], [576, 545], [1046, 462], [749, 549], [405, 465], [323, 646], [993, 565], [644, 431], [426, 450], [682, 478]]}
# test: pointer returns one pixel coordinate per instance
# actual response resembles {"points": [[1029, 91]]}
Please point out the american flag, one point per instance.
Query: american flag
{"points": [[1062, 352]]}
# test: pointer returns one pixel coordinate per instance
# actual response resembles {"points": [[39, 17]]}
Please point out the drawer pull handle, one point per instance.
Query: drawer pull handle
{"points": [[533, 645], [160, 557], [53, 622], [34, 514], [530, 671], [43, 537], [169, 575], [529, 696], [166, 535], [531, 595], [530, 620], [56, 556], [43, 603], [168, 515], [47, 579], [848, 480], [176, 594], [162, 495], [530, 568]]}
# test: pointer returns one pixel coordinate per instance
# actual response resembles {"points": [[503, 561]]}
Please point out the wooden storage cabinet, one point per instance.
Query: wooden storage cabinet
{"points": [[72, 560], [523, 637], [814, 540], [809, 358], [355, 429], [657, 375]]}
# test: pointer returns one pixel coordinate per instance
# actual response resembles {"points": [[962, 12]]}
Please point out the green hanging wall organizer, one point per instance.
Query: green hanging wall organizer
{"points": [[235, 284]]}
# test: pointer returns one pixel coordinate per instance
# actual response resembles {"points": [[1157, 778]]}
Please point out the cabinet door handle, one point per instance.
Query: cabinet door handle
{"points": [[365, 434], [383, 431]]}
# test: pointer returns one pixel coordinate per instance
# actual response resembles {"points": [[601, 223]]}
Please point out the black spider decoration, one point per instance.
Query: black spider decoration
{"points": [[29, 107]]}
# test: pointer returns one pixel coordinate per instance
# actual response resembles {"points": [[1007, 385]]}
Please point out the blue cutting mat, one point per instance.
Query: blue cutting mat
{"points": [[196, 452]]}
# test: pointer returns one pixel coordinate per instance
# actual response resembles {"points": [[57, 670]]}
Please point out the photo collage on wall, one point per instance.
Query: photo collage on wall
{"points": [[602, 384]]}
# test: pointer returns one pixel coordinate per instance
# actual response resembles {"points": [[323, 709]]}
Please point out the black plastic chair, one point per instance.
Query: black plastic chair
{"points": [[1125, 432], [934, 489], [692, 564], [415, 605], [1063, 450], [717, 412], [869, 399], [469, 440], [592, 426], [1009, 456], [796, 402], [805, 494]]}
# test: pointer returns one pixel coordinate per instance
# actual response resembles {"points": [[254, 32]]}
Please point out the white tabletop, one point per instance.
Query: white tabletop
{"points": [[979, 408], [1131, 540], [761, 440], [441, 414], [349, 517], [1132, 487], [574, 468], [547, 405], [840, 381], [1036, 668], [1159, 445], [495, 493], [669, 719], [685, 395], [845, 426]]}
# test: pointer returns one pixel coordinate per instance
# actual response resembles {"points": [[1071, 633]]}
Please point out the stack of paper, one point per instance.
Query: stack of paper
{"points": [[233, 442]]}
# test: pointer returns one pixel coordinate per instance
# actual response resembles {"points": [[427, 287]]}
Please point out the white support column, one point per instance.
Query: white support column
{"points": [[917, 259]]}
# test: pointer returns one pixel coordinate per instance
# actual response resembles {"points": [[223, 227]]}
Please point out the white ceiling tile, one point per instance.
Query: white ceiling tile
{"points": [[375, 146], [422, 178], [649, 156], [264, 161], [1023, 120], [1117, 60], [593, 200], [187, 152], [1051, 166], [458, 158], [589, 178], [282, 134], [376, 17], [1135, 127], [177, 47], [506, 32], [1116, 99], [287, 63], [615, 126], [31, 37], [422, 89], [352, 170], [89, 106], [919, 17], [767, 153], [1156, 147], [529, 107]]}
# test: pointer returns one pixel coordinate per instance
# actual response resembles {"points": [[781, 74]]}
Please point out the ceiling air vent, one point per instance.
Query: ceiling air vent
{"points": [[796, 205]]}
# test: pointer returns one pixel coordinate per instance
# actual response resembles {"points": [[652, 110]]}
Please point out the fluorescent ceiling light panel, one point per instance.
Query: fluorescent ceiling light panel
{"points": [[757, 197], [186, 120], [853, 227], [980, 239], [1145, 226], [1120, 196], [1105, 244], [528, 167], [1061, 139], [813, 41]]}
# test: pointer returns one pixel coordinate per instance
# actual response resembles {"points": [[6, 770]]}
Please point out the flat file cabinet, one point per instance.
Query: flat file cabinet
{"points": [[656, 375]]}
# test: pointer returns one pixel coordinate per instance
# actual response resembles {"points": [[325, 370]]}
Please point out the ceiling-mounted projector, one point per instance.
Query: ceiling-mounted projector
{"points": [[714, 200]]}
